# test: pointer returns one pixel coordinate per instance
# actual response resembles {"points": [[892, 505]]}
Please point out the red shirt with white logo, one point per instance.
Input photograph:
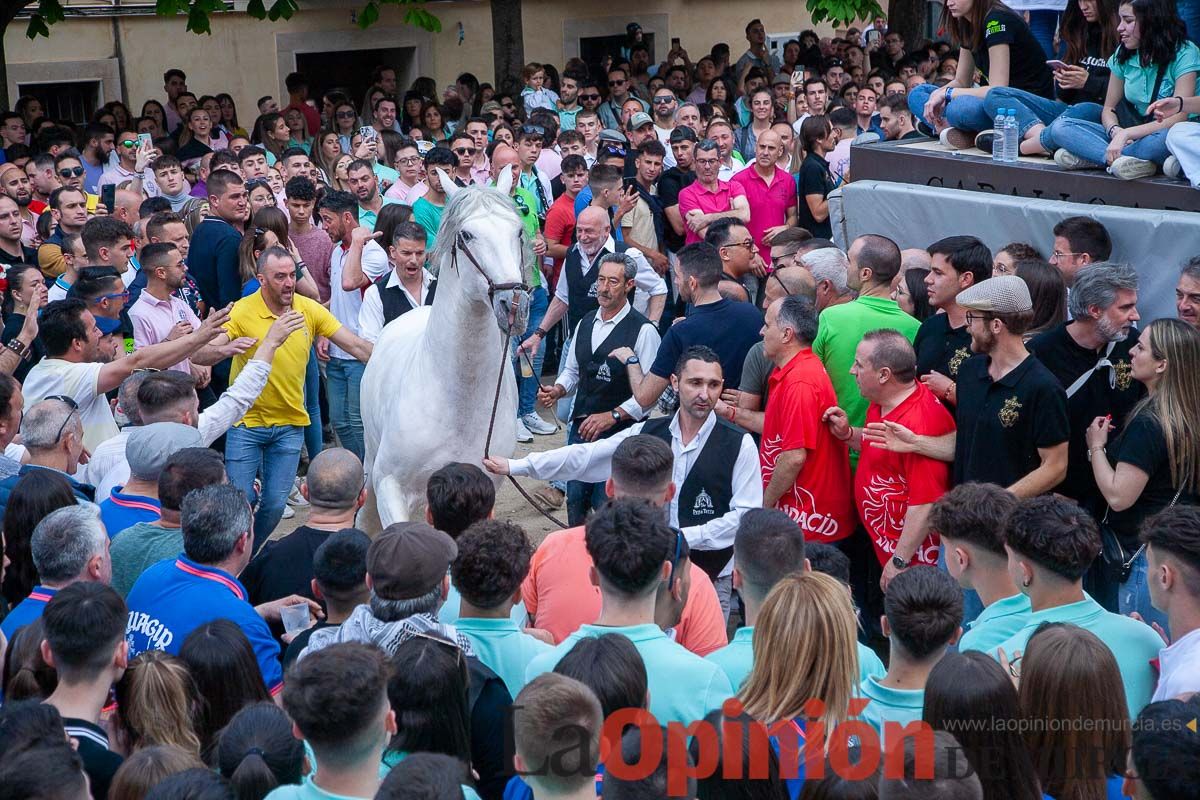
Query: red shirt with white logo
{"points": [[886, 484], [799, 392]]}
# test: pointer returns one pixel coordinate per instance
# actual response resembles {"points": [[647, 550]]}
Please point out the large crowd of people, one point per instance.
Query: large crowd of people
{"points": [[845, 514]]}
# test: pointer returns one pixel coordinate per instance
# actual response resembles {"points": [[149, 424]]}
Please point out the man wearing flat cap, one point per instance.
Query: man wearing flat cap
{"points": [[1011, 413], [408, 575]]}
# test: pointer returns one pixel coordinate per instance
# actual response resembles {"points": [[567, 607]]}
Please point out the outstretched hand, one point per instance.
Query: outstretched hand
{"points": [[890, 436]]}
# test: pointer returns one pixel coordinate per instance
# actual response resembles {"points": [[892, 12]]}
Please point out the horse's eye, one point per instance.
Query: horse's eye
{"points": [[467, 236]]}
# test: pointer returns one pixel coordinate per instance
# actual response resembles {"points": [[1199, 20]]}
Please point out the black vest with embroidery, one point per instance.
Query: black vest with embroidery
{"points": [[581, 285], [603, 380], [707, 489], [395, 300]]}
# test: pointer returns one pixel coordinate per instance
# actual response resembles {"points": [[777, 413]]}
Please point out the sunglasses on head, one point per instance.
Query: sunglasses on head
{"points": [[70, 403], [72, 172], [254, 183], [536, 130]]}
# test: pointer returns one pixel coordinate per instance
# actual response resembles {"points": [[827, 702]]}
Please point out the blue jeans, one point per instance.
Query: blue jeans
{"points": [[313, 441], [582, 497], [527, 388], [1042, 24], [1134, 593], [1088, 141], [1031, 109], [1087, 112], [1189, 12], [273, 451], [963, 111], [342, 379]]}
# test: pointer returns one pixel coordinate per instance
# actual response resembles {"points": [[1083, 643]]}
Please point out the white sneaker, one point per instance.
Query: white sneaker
{"points": [[535, 424], [1068, 160], [955, 139], [296, 498], [1129, 168], [1172, 169], [523, 434], [288, 512]]}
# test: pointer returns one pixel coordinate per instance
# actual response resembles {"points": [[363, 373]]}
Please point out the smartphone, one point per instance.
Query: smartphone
{"points": [[368, 133], [674, 42], [872, 35], [108, 196], [424, 146], [628, 183], [1056, 64], [798, 77], [145, 140]]}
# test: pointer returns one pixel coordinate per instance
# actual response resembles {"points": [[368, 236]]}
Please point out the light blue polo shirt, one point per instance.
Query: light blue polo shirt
{"points": [[995, 624], [1134, 644], [683, 686], [175, 596], [886, 704], [737, 658], [448, 613], [502, 648]]}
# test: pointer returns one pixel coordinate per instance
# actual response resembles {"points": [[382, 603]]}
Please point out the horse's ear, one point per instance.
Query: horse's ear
{"points": [[504, 181], [448, 185]]}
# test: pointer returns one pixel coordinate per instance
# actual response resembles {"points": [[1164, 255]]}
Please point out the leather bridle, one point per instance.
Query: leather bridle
{"points": [[460, 243]]}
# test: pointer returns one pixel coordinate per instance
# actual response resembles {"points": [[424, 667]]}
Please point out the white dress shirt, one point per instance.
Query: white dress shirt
{"points": [[646, 348], [592, 462], [346, 304], [108, 469], [1179, 667], [370, 316], [649, 283]]}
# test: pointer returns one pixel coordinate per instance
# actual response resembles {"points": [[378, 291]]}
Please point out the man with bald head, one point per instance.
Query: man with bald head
{"points": [[771, 193], [335, 489]]}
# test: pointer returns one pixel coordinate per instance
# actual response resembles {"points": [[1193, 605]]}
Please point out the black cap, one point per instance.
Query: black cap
{"points": [[683, 133]]}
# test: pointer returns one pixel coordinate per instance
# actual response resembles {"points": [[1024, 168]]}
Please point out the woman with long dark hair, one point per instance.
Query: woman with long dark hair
{"points": [[1048, 291], [1155, 61], [971, 696], [34, 496], [1089, 32], [428, 693], [994, 39], [257, 752], [1155, 460], [226, 672], [26, 294], [272, 134], [819, 137], [345, 122], [229, 119], [912, 295]]}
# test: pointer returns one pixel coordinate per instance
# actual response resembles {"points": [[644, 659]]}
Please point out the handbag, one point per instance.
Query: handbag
{"points": [[1116, 561], [1127, 113]]}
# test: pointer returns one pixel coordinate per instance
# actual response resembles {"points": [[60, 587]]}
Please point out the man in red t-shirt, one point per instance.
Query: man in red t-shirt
{"points": [[560, 219], [894, 491], [806, 471]]}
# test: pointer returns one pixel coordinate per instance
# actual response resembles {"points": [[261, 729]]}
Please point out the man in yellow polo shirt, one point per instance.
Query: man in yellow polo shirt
{"points": [[269, 437]]}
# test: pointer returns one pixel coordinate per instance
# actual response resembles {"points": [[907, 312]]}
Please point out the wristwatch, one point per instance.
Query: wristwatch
{"points": [[632, 360], [616, 415], [18, 347], [899, 563]]}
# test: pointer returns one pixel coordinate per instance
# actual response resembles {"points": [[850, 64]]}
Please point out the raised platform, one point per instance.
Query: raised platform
{"points": [[924, 162]]}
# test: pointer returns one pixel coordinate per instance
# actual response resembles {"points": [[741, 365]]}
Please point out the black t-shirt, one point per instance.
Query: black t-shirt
{"points": [[301, 641], [284, 566], [1027, 68], [941, 348], [1109, 390], [99, 762], [670, 184], [193, 149], [37, 350], [1143, 445], [1096, 63], [1002, 424], [815, 178]]}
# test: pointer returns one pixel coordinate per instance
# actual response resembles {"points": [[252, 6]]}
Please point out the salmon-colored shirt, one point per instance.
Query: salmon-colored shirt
{"points": [[560, 596]]}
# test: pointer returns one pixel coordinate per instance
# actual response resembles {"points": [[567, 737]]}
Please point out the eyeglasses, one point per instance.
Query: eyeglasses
{"points": [[981, 317], [345, 115], [590, 96], [464, 151], [409, 161], [1058, 254], [1014, 667], [707, 162], [72, 172], [536, 130], [748, 244], [130, 143], [617, 83], [663, 101], [70, 403]]}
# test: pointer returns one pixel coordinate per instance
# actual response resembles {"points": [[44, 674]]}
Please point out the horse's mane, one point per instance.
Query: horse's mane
{"points": [[469, 203]]}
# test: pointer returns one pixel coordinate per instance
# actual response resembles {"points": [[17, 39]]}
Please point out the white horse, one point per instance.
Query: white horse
{"points": [[428, 389]]}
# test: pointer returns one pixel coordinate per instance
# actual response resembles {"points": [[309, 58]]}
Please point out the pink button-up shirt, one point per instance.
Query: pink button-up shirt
{"points": [[769, 203], [153, 320]]}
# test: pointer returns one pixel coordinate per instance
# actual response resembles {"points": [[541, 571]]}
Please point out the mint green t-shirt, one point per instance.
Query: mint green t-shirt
{"points": [[683, 686], [737, 659], [307, 790], [429, 217], [902, 706], [502, 648], [1134, 644], [995, 624], [840, 328], [1139, 79]]}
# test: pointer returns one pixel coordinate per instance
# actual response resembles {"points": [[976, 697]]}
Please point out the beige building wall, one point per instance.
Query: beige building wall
{"points": [[249, 58]]}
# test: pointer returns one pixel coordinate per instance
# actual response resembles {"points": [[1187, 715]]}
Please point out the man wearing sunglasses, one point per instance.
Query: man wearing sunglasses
{"points": [[68, 207], [462, 144], [665, 104], [132, 160], [69, 167], [618, 93]]}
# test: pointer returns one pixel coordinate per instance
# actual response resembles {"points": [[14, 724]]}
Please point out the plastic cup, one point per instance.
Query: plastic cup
{"points": [[526, 368], [295, 617]]}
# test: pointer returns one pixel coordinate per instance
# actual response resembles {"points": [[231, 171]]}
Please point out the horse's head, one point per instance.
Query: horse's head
{"points": [[482, 239]]}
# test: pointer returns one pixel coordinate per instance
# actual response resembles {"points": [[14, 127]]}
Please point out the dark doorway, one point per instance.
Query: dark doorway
{"points": [[73, 100], [350, 70], [592, 49]]}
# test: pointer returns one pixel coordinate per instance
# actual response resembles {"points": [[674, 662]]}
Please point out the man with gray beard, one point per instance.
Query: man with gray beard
{"points": [[1089, 355]]}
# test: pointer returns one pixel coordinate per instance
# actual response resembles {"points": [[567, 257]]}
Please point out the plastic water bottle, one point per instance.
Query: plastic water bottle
{"points": [[1012, 142], [1001, 128]]}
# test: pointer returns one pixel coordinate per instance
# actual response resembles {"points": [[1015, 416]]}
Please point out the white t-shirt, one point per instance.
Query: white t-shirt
{"points": [[664, 136], [1179, 667], [346, 305], [52, 376]]}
